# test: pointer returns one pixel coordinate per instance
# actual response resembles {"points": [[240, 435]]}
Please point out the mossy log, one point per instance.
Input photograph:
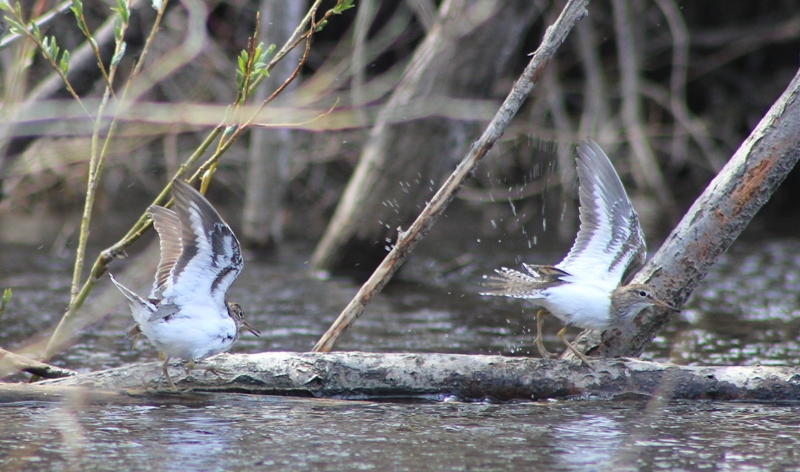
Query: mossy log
{"points": [[359, 375]]}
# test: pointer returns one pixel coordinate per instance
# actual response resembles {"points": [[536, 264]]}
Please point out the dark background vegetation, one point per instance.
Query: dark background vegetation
{"points": [[704, 86]]}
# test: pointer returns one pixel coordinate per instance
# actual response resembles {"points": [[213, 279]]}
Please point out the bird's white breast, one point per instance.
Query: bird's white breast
{"points": [[197, 331], [583, 305]]}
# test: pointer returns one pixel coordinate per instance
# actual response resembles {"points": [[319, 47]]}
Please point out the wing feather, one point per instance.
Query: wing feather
{"points": [[610, 242], [168, 226], [210, 258]]}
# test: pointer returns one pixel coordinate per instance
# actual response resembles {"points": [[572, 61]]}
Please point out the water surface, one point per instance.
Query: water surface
{"points": [[745, 313]]}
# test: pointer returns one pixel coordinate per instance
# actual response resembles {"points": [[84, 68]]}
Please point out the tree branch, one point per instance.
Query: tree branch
{"points": [[407, 240]]}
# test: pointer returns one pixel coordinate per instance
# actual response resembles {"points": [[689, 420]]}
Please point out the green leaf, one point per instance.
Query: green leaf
{"points": [[118, 28], [15, 26], [35, 30], [54, 49], [5, 299], [345, 5], [64, 63], [4, 5], [118, 56], [122, 9], [320, 25], [50, 47], [77, 8], [239, 80]]}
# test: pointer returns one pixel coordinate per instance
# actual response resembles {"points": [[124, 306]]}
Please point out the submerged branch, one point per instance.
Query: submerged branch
{"points": [[10, 363]]}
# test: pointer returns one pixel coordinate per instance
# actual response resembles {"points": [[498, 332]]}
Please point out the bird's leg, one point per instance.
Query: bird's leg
{"points": [[538, 340], [572, 348], [165, 369]]}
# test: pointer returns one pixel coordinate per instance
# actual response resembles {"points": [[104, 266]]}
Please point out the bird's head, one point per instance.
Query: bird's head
{"points": [[237, 313]]}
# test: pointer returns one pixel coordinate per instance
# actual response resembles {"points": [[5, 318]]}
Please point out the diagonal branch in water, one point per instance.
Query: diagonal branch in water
{"points": [[712, 224], [555, 35]]}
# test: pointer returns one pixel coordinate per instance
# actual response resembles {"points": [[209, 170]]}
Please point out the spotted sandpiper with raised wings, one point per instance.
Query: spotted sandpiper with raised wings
{"points": [[585, 289], [186, 315]]}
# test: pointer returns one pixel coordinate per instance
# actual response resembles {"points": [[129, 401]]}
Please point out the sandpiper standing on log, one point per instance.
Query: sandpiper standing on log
{"points": [[186, 315], [584, 289]]}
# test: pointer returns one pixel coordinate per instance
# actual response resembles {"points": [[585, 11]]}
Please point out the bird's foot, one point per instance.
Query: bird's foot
{"points": [[209, 369], [574, 349], [583, 357], [544, 353]]}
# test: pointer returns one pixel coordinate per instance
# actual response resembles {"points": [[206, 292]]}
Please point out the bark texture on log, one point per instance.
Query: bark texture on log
{"points": [[402, 160], [357, 375], [712, 224]]}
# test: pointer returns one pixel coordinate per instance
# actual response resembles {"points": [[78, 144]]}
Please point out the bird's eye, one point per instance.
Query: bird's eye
{"points": [[642, 293]]}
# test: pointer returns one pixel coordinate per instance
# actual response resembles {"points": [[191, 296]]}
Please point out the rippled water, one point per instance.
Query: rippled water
{"points": [[745, 313], [245, 433]]}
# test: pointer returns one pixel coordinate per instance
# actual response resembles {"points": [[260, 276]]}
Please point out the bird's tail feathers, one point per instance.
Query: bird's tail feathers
{"points": [[511, 283], [141, 309]]}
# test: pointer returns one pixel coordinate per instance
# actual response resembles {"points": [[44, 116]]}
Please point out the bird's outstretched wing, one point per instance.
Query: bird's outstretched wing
{"points": [[200, 255], [610, 242], [168, 226]]}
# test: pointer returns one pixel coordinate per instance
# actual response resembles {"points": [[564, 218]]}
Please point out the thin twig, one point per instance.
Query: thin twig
{"points": [[51, 60], [41, 21], [691, 124], [96, 159], [143, 223], [93, 44], [407, 240]]}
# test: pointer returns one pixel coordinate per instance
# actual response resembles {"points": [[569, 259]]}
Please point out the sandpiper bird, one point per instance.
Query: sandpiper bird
{"points": [[584, 289], [186, 315]]}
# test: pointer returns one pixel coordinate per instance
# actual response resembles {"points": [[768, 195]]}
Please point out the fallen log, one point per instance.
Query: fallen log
{"points": [[359, 375], [11, 362]]}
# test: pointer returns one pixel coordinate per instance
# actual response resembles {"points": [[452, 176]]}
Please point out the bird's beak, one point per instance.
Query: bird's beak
{"points": [[661, 304], [250, 328]]}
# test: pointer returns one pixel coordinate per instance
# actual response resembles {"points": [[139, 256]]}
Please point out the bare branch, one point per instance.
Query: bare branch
{"points": [[407, 240]]}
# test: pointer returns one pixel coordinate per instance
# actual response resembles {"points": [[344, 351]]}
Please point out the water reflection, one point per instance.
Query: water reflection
{"points": [[244, 432], [589, 441], [745, 313]]}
